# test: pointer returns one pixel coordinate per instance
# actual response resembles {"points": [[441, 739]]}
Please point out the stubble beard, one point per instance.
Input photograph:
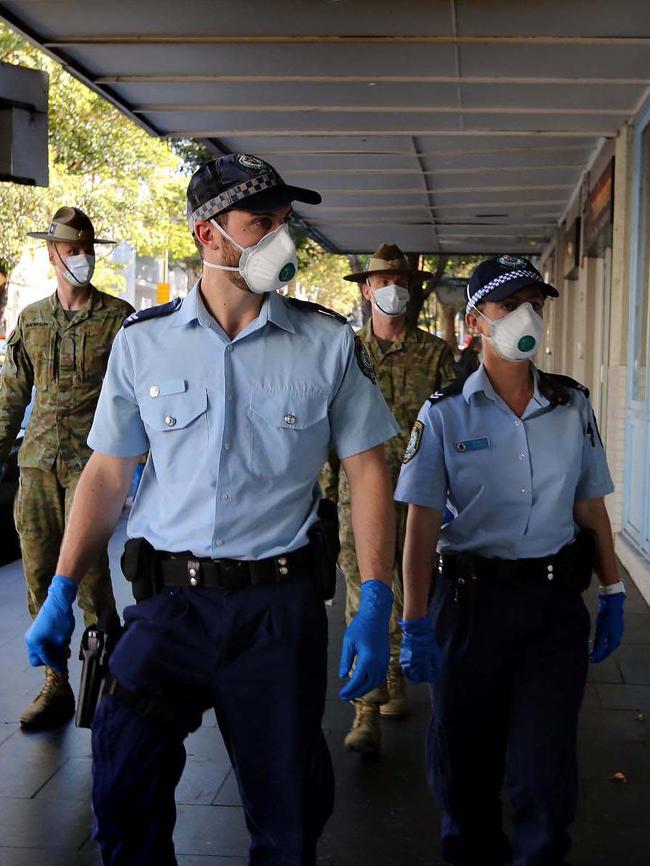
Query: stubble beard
{"points": [[231, 257]]}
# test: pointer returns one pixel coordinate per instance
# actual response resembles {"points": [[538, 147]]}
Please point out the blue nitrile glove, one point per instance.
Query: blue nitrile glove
{"points": [[367, 638], [609, 626], [49, 635], [420, 656]]}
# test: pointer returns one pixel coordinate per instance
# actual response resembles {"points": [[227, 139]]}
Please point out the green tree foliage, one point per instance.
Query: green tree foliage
{"points": [[129, 183], [320, 277]]}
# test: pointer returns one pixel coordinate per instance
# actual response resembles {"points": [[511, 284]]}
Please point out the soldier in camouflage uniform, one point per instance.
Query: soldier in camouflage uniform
{"points": [[409, 364], [60, 346]]}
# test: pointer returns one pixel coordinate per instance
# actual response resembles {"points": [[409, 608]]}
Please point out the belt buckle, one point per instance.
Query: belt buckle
{"points": [[230, 574]]}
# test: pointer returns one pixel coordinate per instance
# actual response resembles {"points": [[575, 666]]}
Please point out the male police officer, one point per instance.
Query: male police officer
{"points": [[236, 393], [517, 454], [409, 364], [61, 346]]}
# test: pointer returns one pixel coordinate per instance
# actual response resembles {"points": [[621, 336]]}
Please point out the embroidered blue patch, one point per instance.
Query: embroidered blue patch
{"points": [[473, 444]]}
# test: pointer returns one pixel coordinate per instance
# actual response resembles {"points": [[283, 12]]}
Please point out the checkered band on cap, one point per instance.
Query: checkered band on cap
{"points": [[236, 193], [499, 281]]}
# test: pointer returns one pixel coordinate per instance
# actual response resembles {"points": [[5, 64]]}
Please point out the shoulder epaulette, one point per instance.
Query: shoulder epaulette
{"points": [[316, 308], [554, 387], [153, 313], [452, 390]]}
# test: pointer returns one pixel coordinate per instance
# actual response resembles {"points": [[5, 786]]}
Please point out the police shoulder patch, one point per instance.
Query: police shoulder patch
{"points": [[415, 440], [364, 361], [310, 306], [153, 313]]}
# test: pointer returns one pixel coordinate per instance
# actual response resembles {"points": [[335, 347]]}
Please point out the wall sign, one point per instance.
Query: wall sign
{"points": [[572, 251], [599, 214]]}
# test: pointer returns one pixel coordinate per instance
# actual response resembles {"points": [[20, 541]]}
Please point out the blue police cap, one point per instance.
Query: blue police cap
{"points": [[498, 278], [240, 181]]}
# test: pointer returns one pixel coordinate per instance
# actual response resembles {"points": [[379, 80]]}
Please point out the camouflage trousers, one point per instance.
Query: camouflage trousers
{"points": [[41, 511], [349, 566]]}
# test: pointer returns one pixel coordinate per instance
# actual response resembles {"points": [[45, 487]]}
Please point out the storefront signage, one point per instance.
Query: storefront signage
{"points": [[572, 251], [599, 214]]}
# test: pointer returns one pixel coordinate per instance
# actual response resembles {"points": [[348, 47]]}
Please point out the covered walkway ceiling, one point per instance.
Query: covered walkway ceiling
{"points": [[447, 125]]}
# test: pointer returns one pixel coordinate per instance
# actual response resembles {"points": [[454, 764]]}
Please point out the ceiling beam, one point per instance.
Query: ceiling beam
{"points": [[468, 170], [322, 39], [441, 235], [444, 189], [338, 152], [429, 192], [457, 206], [371, 80], [389, 133], [158, 107], [406, 223]]}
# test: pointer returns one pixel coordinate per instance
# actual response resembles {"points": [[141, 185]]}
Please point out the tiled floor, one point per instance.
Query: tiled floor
{"points": [[384, 815]]}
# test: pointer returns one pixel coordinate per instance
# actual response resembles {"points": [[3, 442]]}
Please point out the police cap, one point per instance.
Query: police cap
{"points": [[498, 278], [243, 182]]}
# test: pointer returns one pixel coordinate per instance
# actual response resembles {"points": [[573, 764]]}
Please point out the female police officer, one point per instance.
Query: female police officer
{"points": [[517, 455]]}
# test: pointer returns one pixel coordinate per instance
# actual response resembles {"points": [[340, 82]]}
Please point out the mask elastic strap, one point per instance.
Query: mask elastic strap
{"points": [[214, 223], [218, 267], [487, 319], [76, 281], [214, 267]]}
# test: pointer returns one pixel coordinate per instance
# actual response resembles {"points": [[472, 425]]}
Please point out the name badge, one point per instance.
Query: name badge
{"points": [[473, 444], [172, 386]]}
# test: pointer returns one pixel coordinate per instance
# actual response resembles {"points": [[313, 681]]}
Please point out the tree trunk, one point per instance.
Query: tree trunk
{"points": [[364, 303], [418, 294], [4, 297], [449, 326]]}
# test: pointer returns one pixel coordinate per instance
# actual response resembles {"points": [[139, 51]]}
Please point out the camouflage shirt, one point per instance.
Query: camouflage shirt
{"points": [[65, 359], [407, 372]]}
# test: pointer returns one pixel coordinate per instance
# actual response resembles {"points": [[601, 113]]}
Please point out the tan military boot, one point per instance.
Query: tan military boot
{"points": [[52, 707], [397, 704], [365, 735]]}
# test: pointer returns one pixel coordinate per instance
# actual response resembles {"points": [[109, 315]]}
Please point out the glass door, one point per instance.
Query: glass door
{"points": [[636, 516]]}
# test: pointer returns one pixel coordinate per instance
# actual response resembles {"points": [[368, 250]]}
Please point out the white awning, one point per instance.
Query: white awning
{"points": [[439, 126]]}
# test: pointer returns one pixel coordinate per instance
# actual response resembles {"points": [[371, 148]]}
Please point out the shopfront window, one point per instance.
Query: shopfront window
{"points": [[636, 510], [640, 328]]}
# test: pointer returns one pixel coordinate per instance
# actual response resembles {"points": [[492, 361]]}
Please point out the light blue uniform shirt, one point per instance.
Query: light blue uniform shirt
{"points": [[512, 482], [237, 430]]}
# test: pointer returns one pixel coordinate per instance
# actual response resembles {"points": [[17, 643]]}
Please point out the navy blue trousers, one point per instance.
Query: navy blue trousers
{"points": [[258, 656], [506, 706]]}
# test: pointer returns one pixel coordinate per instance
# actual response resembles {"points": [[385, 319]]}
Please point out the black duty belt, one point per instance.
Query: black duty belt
{"points": [[573, 564], [183, 569]]}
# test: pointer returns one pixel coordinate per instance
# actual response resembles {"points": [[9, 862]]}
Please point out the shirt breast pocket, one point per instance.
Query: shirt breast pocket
{"points": [[177, 427], [289, 432], [467, 465]]}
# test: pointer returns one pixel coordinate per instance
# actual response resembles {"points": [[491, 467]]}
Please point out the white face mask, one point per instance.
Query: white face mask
{"points": [[390, 300], [77, 270], [516, 337], [268, 265]]}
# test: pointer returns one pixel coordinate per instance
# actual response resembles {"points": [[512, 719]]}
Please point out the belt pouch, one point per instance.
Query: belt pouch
{"points": [[139, 566], [326, 546]]}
